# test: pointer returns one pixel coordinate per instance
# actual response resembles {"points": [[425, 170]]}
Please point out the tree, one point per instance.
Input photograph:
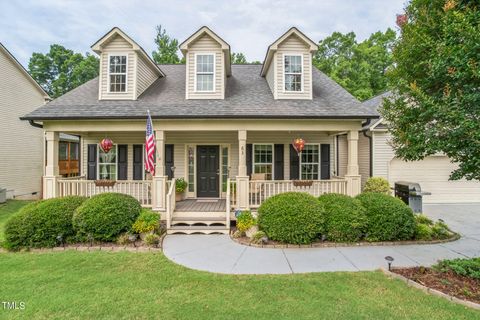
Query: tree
{"points": [[60, 70], [167, 48], [436, 102], [238, 58], [358, 67]]}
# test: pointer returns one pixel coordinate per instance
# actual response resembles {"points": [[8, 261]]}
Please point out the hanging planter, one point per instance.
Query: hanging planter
{"points": [[298, 144], [106, 144], [105, 183]]}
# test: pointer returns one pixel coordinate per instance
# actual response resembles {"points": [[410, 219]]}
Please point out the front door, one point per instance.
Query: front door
{"points": [[208, 171]]}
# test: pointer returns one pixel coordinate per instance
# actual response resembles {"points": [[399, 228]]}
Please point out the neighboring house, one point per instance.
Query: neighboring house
{"points": [[21, 145], [226, 129], [432, 173]]}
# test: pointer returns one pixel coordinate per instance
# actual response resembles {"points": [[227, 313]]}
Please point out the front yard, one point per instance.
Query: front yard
{"points": [[73, 285]]}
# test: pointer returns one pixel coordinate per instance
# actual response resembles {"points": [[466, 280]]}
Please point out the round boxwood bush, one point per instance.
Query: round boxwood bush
{"points": [[292, 217], [44, 223], [377, 184], [388, 218], [345, 217], [105, 216]]}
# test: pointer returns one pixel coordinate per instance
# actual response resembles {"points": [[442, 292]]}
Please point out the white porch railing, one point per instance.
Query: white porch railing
{"points": [[233, 193], [139, 189], [261, 190], [170, 203], [228, 204]]}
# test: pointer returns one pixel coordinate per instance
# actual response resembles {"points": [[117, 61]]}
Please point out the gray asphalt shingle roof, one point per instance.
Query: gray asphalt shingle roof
{"points": [[374, 104], [247, 96]]}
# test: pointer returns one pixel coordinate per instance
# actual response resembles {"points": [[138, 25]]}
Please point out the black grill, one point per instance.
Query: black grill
{"points": [[411, 193]]}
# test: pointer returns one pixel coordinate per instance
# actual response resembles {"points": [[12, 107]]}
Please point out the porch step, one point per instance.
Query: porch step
{"points": [[198, 230]]}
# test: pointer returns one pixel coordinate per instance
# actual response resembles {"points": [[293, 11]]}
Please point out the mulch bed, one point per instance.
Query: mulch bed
{"points": [[450, 283], [327, 244]]}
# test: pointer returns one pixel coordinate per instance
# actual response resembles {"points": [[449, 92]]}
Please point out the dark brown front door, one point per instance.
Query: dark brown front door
{"points": [[208, 171]]}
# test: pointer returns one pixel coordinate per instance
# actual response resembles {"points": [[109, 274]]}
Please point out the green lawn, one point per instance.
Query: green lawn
{"points": [[107, 285], [6, 210]]}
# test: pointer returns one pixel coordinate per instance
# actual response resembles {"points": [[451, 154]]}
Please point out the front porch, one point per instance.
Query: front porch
{"points": [[226, 169]]}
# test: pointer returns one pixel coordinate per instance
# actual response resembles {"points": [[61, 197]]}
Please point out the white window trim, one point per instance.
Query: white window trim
{"points": [[318, 163], [114, 54], [302, 73], [263, 163], [195, 74], [98, 161]]}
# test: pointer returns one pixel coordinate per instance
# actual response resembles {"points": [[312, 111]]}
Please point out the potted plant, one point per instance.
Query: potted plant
{"points": [[246, 223], [180, 187], [146, 223]]}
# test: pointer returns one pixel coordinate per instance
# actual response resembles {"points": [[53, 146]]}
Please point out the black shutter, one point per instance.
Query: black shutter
{"points": [[278, 166], [324, 161], [92, 162], [138, 162], [169, 163], [249, 159], [122, 168], [294, 164]]}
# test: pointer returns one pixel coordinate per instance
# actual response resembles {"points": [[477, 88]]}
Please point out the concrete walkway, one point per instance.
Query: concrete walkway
{"points": [[218, 253]]}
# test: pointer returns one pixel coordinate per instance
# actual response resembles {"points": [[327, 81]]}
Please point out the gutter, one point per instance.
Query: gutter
{"points": [[370, 144]]}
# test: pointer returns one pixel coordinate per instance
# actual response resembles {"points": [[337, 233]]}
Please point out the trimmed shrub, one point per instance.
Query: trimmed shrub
{"points": [[345, 217], [377, 184], [147, 221], [44, 223], [388, 218], [105, 216], [245, 221], [423, 232], [292, 217]]}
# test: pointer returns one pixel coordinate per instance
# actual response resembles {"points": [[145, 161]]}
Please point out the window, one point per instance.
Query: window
{"points": [[204, 72], [117, 73], [293, 72], [225, 168], [73, 151], [191, 169], [263, 159], [63, 151], [107, 163], [310, 162]]}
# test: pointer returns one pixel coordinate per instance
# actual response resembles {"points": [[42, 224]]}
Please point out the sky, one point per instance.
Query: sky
{"points": [[249, 26]]}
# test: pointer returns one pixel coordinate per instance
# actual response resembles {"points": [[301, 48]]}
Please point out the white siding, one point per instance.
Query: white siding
{"points": [[145, 76], [432, 174], [206, 44], [120, 46], [363, 157], [342, 155], [293, 45], [21, 145]]}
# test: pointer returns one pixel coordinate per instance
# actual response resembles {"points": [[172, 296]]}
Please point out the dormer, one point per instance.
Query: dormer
{"points": [[288, 66], [207, 58], [126, 70]]}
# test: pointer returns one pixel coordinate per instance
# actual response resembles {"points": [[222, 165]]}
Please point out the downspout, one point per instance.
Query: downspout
{"points": [[370, 144], [34, 124]]}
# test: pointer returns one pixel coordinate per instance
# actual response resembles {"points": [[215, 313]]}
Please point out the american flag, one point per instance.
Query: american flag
{"points": [[149, 147]]}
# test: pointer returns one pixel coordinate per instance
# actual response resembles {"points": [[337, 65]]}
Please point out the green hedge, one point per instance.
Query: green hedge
{"points": [[105, 216], [345, 217], [388, 218], [378, 185], [292, 217], [40, 224]]}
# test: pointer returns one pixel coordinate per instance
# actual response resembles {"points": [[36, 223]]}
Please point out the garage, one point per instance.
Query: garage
{"points": [[432, 174]]}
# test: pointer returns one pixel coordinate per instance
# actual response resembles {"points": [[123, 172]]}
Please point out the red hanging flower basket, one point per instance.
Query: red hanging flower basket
{"points": [[106, 144], [298, 145]]}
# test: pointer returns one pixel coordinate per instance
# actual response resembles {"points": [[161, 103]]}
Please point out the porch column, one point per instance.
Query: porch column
{"points": [[159, 180], [51, 168], [242, 178], [353, 178]]}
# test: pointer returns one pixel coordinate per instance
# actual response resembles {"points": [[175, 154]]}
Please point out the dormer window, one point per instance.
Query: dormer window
{"points": [[293, 73], [205, 74], [117, 73]]}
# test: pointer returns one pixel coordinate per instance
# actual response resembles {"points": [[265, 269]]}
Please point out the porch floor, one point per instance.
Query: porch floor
{"points": [[200, 205]]}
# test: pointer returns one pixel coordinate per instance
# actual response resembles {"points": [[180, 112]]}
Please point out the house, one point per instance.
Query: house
{"points": [[21, 145], [226, 129], [432, 173]]}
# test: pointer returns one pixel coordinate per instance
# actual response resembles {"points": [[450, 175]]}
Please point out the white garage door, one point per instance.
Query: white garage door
{"points": [[432, 173]]}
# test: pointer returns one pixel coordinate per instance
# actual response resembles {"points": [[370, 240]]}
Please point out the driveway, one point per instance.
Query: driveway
{"points": [[218, 253]]}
